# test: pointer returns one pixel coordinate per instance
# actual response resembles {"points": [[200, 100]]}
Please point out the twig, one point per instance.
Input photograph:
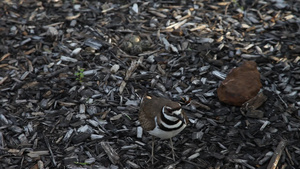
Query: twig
{"points": [[289, 156], [50, 150], [277, 154], [129, 72]]}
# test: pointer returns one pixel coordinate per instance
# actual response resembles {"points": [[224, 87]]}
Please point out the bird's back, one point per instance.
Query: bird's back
{"points": [[151, 106]]}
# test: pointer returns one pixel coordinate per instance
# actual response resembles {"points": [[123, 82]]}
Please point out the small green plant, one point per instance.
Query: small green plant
{"points": [[237, 4], [127, 116], [80, 75], [78, 163]]}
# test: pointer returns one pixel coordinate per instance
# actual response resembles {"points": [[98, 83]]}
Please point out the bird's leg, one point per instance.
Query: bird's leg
{"points": [[152, 151], [173, 152]]}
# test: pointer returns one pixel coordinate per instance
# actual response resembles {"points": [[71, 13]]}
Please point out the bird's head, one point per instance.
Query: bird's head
{"points": [[174, 112]]}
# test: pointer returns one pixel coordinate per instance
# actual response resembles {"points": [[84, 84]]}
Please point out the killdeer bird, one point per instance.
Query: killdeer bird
{"points": [[162, 118]]}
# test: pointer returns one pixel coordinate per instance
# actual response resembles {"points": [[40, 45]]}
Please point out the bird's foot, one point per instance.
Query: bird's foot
{"points": [[152, 158]]}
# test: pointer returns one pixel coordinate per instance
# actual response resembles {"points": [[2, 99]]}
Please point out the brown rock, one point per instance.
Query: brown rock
{"points": [[240, 85]]}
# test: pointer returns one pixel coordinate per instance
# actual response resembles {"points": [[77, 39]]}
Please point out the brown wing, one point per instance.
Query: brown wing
{"points": [[151, 106]]}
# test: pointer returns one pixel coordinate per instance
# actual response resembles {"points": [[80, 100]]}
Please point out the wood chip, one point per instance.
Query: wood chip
{"points": [[110, 152]]}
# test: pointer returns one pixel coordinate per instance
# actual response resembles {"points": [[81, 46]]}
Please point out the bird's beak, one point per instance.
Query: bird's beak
{"points": [[179, 117]]}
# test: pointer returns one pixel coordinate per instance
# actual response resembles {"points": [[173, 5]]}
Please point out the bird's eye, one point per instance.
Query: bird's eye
{"points": [[168, 109]]}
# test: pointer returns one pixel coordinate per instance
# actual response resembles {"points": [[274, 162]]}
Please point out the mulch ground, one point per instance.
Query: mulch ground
{"points": [[72, 74]]}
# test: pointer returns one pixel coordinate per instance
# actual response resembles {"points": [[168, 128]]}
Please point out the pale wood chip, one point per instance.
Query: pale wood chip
{"points": [[67, 104], [200, 27], [111, 153], [73, 17], [158, 14], [37, 154], [4, 56], [30, 85], [177, 25]]}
